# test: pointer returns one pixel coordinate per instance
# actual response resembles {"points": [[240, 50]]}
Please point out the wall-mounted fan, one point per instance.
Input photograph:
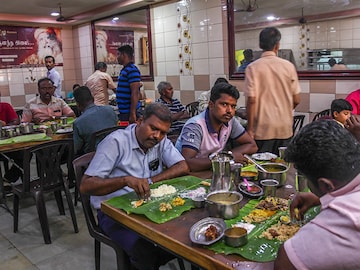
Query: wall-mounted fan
{"points": [[251, 6]]}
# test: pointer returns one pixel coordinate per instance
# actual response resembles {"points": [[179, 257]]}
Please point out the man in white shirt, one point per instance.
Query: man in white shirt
{"points": [[53, 75]]}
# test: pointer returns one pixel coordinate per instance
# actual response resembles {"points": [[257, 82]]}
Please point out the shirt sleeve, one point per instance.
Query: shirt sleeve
{"points": [[191, 136], [237, 129], [78, 141], [10, 113], [66, 110]]}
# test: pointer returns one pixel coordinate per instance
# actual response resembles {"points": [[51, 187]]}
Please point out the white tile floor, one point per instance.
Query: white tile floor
{"points": [[25, 250]]}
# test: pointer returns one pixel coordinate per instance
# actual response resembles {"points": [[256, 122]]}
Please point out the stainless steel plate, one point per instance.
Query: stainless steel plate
{"points": [[197, 231], [264, 156]]}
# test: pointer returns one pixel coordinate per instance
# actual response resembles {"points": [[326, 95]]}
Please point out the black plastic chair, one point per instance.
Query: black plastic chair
{"points": [[322, 114], [98, 136], [192, 108], [298, 122], [80, 165], [49, 179]]}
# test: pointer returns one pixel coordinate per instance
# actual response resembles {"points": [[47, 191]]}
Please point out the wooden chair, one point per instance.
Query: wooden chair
{"points": [[322, 114], [98, 136], [298, 122], [192, 108], [49, 179], [80, 164]]}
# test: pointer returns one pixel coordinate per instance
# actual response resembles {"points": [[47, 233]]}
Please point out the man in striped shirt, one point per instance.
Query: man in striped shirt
{"points": [[128, 87], [178, 111]]}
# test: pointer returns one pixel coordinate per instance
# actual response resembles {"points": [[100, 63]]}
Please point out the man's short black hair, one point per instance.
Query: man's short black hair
{"points": [[44, 79], [158, 109], [100, 65], [50, 56], [223, 88], [127, 49], [338, 105], [325, 149], [83, 95], [269, 37]]}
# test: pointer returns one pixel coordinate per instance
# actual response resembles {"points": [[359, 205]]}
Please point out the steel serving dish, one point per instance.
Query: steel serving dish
{"points": [[276, 171], [197, 231], [235, 236], [223, 204]]}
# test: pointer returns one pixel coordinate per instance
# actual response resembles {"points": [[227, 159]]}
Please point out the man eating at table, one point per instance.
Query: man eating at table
{"points": [[329, 156], [213, 129], [45, 107], [131, 160]]}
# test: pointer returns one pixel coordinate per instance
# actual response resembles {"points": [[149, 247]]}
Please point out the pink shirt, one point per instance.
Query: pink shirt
{"points": [[332, 239], [354, 100], [35, 108]]}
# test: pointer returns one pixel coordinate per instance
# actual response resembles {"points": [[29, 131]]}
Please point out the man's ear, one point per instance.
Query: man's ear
{"points": [[335, 114], [325, 185], [211, 104], [139, 120]]}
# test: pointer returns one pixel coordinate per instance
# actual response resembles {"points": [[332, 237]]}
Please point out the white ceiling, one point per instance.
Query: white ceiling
{"points": [[75, 11], [80, 11], [250, 12]]}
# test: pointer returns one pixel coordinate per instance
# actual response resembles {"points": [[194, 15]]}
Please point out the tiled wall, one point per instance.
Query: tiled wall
{"points": [[207, 26]]}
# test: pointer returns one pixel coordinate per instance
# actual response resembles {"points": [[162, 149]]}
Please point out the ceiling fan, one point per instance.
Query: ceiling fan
{"points": [[61, 18], [251, 6]]}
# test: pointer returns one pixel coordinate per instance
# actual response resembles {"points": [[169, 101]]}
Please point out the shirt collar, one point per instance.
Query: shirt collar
{"points": [[352, 186], [268, 53], [39, 101]]}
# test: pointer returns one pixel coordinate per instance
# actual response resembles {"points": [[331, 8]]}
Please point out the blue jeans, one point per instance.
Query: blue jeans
{"points": [[143, 254]]}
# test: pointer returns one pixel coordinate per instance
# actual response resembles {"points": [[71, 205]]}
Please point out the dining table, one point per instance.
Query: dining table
{"points": [[21, 143], [173, 235]]}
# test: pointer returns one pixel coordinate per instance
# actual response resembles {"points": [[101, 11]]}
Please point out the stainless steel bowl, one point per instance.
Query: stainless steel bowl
{"points": [[223, 204], [235, 237], [276, 171]]}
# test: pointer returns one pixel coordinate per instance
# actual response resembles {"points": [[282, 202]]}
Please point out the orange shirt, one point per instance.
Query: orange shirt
{"points": [[99, 82]]}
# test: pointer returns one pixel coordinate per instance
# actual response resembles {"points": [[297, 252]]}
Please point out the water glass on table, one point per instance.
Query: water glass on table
{"points": [[301, 183]]}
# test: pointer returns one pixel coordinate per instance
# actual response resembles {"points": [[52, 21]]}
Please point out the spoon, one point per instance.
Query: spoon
{"points": [[256, 163], [248, 187]]}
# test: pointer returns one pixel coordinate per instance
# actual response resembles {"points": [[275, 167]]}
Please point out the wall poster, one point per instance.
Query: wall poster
{"points": [[28, 46], [107, 42]]}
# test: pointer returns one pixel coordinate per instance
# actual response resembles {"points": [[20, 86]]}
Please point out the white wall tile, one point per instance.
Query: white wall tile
{"points": [[170, 24], [16, 89], [172, 68], [214, 15], [200, 51], [187, 83], [201, 67], [305, 86], [319, 102], [199, 18], [347, 86], [199, 34], [216, 49], [215, 32], [216, 66], [159, 40], [171, 53], [171, 38]]}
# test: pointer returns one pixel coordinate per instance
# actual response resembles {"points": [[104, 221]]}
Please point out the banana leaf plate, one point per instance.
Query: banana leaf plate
{"points": [[151, 208], [257, 249]]}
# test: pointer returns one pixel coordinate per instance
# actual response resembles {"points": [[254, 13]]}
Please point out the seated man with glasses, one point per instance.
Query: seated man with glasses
{"points": [[45, 107]]}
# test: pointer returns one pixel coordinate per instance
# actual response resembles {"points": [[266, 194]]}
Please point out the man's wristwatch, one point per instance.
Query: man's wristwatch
{"points": [[150, 181]]}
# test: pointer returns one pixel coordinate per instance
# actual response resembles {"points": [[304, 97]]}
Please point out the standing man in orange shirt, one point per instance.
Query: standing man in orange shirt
{"points": [[99, 82], [272, 90]]}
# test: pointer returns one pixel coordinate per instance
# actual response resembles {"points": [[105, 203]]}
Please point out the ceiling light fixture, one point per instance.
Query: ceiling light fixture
{"points": [[55, 13]]}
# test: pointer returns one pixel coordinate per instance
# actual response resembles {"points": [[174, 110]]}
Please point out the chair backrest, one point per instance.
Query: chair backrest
{"points": [[192, 108], [80, 165], [49, 157], [98, 136], [298, 122], [322, 114]]}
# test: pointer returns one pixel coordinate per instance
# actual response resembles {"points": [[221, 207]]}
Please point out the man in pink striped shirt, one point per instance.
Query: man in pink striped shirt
{"points": [[45, 107]]}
